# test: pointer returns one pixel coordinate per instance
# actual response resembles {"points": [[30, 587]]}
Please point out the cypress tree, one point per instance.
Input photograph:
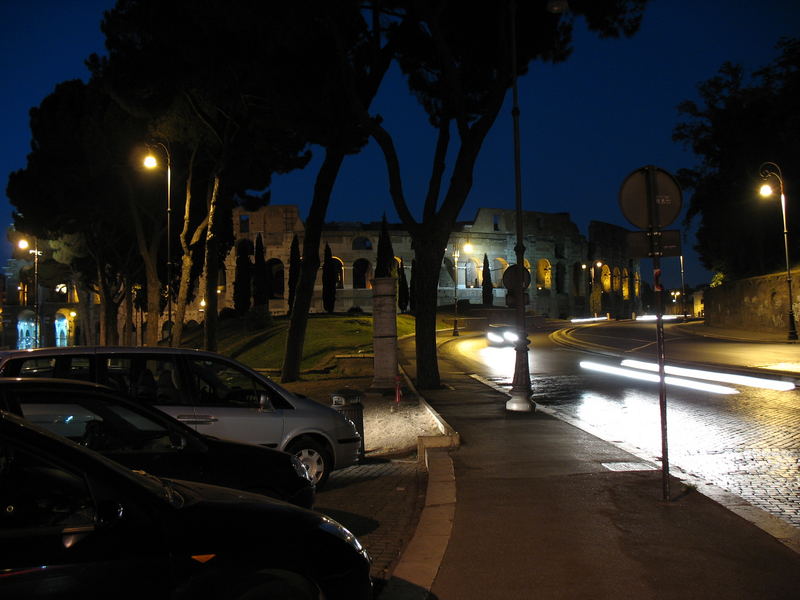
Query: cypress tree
{"points": [[330, 275], [402, 290], [488, 296], [294, 270], [244, 273], [385, 264], [259, 275]]}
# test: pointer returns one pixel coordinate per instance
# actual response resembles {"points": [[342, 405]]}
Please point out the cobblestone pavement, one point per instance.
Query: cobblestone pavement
{"points": [[380, 501], [747, 443]]}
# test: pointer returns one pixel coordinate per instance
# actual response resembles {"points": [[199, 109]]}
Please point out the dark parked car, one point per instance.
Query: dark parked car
{"points": [[75, 524], [142, 437], [213, 394]]}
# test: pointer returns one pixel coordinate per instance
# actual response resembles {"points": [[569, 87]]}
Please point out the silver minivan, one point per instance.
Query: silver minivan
{"points": [[214, 394]]}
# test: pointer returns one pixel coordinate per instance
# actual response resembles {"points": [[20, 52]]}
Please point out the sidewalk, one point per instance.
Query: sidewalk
{"points": [[532, 507]]}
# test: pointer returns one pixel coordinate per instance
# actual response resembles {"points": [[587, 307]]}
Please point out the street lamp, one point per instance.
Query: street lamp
{"points": [[767, 170], [24, 244], [151, 162], [456, 254], [521, 391]]}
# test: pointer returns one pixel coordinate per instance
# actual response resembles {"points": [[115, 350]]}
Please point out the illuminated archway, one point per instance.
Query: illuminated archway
{"points": [[605, 278], [544, 274]]}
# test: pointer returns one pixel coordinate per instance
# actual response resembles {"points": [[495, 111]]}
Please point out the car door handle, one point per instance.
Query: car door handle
{"points": [[197, 419]]}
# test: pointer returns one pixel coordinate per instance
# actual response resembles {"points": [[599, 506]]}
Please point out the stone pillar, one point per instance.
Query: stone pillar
{"points": [[384, 332]]}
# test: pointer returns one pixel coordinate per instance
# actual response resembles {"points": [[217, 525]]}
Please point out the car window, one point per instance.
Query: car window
{"points": [[152, 380], [220, 383], [97, 422], [67, 367], [36, 493]]}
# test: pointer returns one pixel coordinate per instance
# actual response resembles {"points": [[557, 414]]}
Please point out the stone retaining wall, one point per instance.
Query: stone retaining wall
{"points": [[756, 303]]}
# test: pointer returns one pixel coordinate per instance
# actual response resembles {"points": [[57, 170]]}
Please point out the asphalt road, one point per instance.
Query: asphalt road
{"points": [[746, 440]]}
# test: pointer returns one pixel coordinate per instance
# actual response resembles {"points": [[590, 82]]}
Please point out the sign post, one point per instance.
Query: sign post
{"points": [[650, 199]]}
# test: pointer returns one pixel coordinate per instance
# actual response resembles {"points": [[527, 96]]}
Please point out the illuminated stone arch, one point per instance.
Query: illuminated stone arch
{"points": [[26, 330], [500, 266], [339, 272], [626, 285], [472, 274], [544, 274], [605, 278], [64, 324]]}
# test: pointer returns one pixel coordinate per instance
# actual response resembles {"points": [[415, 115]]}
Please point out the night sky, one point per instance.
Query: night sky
{"points": [[585, 124]]}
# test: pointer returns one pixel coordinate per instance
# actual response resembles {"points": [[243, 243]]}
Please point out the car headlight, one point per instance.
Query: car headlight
{"points": [[301, 469], [330, 526], [494, 338], [510, 336]]}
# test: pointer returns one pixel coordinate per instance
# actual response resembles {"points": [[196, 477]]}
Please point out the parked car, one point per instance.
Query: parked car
{"points": [[502, 335], [213, 394], [142, 437], [75, 524]]}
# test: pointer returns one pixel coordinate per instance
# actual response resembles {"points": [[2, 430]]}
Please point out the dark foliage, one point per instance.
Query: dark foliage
{"points": [[737, 125], [402, 289], [330, 277], [487, 288], [385, 263], [294, 270], [242, 284], [260, 279]]}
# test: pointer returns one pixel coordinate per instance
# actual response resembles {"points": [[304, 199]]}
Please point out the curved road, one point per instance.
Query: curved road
{"points": [[746, 440]]}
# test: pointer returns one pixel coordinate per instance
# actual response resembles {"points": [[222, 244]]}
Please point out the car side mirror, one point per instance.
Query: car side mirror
{"points": [[177, 441], [264, 404]]}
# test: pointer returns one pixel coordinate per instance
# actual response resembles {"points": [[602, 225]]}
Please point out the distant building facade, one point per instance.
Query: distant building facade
{"points": [[572, 275]]}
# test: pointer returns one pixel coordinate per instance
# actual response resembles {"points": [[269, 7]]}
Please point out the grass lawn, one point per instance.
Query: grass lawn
{"points": [[326, 337]]}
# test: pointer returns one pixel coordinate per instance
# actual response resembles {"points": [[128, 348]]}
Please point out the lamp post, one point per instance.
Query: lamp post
{"points": [[151, 163], [24, 244], [455, 289], [521, 391], [767, 170]]}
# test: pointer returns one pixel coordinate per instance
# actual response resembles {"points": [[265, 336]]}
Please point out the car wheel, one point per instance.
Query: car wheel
{"points": [[314, 456], [280, 586]]}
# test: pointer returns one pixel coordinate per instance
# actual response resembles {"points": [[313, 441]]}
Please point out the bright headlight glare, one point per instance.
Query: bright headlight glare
{"points": [[510, 336], [653, 377], [757, 382], [493, 337]]}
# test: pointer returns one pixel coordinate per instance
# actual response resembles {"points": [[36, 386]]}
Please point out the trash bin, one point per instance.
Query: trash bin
{"points": [[348, 403]]}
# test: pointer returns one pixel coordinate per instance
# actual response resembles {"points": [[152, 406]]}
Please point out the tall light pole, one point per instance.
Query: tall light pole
{"points": [[24, 244], [767, 170], [455, 288], [521, 391], [151, 163]]}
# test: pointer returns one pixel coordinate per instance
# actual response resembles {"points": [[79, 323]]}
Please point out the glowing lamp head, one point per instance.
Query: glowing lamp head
{"points": [[23, 244], [468, 248], [150, 161], [765, 190]]}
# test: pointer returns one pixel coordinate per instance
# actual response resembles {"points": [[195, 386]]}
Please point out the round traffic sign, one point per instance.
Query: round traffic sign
{"points": [[510, 277], [650, 197]]}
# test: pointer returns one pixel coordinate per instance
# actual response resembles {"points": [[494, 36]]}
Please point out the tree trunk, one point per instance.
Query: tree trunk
{"points": [[428, 254], [298, 322], [186, 258], [211, 274]]}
